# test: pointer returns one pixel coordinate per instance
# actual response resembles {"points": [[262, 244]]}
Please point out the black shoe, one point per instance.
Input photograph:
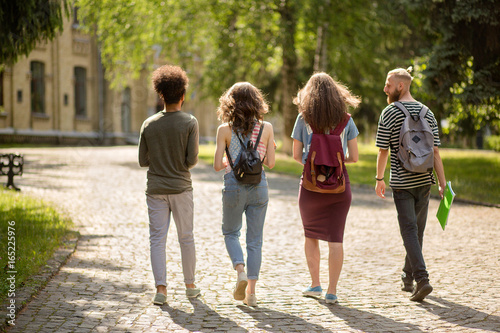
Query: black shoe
{"points": [[406, 283], [407, 286], [422, 289]]}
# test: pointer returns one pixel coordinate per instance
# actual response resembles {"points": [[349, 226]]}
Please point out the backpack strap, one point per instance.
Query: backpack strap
{"points": [[256, 146], [338, 129], [423, 111], [400, 106], [229, 159], [243, 145], [421, 114], [229, 155], [258, 140], [258, 136], [340, 126]]}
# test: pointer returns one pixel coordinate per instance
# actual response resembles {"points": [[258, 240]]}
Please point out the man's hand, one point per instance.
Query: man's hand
{"points": [[380, 188], [441, 191], [382, 156]]}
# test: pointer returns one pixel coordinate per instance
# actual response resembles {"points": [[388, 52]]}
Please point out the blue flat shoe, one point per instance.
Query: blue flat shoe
{"points": [[331, 299], [316, 291]]}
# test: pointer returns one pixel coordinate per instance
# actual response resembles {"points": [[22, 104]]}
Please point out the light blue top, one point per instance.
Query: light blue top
{"points": [[303, 132]]}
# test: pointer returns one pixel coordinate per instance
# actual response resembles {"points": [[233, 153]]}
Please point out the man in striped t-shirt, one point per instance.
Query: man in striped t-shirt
{"points": [[411, 191]]}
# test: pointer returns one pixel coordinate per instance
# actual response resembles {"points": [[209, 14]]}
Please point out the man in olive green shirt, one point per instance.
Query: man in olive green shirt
{"points": [[168, 145]]}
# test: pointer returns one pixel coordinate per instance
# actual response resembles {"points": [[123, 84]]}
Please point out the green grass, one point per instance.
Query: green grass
{"points": [[474, 174], [37, 230]]}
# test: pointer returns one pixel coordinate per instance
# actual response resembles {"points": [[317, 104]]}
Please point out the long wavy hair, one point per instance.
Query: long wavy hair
{"points": [[240, 106], [323, 102]]}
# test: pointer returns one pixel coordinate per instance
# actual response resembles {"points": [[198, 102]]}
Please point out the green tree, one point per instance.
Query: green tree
{"points": [[292, 39], [25, 23], [365, 39], [275, 44], [462, 65]]}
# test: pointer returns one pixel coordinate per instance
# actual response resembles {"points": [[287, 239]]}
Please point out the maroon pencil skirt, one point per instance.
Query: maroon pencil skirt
{"points": [[324, 215]]}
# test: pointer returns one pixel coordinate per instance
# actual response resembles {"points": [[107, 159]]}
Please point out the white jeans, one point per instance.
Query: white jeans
{"points": [[159, 208]]}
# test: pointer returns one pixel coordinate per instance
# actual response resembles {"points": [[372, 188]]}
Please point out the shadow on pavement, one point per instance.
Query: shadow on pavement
{"points": [[366, 321], [276, 321], [287, 187], [205, 172], [34, 175], [132, 165], [364, 196], [461, 315], [95, 294], [204, 319]]}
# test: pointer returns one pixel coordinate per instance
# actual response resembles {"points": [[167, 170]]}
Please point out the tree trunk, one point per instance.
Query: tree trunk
{"points": [[320, 54], [321, 49], [288, 72]]}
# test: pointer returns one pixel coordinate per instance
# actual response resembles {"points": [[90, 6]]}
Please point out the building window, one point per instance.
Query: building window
{"points": [[76, 22], [80, 92], [126, 101], [37, 87]]}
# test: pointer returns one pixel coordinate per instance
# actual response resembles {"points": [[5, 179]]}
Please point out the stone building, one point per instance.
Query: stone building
{"points": [[58, 95]]}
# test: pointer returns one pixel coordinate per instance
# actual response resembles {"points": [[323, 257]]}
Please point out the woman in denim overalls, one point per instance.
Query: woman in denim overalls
{"points": [[241, 109]]}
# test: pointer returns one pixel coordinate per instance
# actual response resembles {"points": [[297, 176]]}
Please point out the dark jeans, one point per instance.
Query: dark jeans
{"points": [[412, 206]]}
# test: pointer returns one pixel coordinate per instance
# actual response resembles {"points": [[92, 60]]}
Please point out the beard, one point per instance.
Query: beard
{"points": [[394, 96]]}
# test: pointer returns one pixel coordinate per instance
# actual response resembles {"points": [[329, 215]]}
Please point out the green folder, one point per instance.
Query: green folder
{"points": [[445, 205]]}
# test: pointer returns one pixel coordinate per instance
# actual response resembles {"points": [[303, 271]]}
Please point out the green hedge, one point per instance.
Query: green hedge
{"points": [[492, 142]]}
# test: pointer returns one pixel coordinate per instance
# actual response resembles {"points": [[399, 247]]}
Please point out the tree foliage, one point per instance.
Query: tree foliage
{"points": [[275, 44], [462, 68], [25, 23], [278, 44]]}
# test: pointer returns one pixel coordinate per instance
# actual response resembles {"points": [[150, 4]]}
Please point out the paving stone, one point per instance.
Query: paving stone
{"points": [[107, 285]]}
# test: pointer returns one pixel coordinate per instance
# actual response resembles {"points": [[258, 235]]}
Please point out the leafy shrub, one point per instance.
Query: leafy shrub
{"points": [[492, 142]]}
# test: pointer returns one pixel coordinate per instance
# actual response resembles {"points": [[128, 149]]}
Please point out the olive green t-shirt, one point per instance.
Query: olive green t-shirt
{"points": [[168, 145]]}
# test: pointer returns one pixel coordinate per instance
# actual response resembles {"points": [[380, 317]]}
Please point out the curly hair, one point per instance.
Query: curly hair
{"points": [[240, 106], [323, 102], [170, 82]]}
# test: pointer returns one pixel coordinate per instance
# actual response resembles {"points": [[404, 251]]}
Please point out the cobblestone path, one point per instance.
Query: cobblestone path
{"points": [[107, 284]]}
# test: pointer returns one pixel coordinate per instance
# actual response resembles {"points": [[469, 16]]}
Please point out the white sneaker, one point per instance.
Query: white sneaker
{"points": [[241, 286], [250, 300]]}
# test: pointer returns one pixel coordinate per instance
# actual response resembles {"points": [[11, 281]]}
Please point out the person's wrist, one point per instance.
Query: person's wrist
{"points": [[379, 179]]}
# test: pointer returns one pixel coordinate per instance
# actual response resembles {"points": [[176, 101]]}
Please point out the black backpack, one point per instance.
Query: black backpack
{"points": [[248, 170]]}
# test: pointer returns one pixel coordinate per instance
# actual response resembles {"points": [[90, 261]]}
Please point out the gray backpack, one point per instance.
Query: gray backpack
{"points": [[416, 142]]}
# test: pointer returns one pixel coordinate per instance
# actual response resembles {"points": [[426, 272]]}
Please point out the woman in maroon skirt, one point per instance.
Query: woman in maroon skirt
{"points": [[322, 104]]}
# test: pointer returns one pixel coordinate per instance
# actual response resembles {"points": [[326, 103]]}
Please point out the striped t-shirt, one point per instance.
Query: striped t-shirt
{"points": [[235, 146], [389, 126]]}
